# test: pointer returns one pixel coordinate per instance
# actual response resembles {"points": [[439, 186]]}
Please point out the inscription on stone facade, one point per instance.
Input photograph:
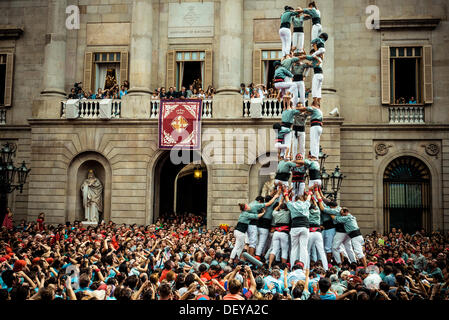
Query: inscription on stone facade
{"points": [[191, 20]]}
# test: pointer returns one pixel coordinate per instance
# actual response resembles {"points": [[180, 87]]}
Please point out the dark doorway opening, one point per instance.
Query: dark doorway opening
{"points": [[177, 191], [270, 74], [192, 72]]}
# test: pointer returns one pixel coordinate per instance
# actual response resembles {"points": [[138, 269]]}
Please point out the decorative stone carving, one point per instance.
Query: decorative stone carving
{"points": [[432, 149], [381, 149]]}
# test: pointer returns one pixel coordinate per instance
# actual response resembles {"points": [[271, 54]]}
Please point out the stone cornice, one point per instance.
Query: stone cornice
{"points": [[8, 32], [394, 127], [207, 122], [409, 24]]}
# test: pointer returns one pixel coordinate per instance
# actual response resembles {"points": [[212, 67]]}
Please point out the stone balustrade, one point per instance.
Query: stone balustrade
{"points": [[206, 106], [406, 114], [90, 109], [266, 108]]}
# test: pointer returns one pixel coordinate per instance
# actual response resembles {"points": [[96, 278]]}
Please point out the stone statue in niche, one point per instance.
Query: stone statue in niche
{"points": [[268, 187], [92, 193]]}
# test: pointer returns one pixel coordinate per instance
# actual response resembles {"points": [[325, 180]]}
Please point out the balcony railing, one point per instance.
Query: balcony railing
{"points": [[90, 109], [206, 106], [406, 114], [266, 108]]}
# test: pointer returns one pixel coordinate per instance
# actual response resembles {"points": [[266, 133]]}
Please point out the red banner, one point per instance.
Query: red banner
{"points": [[180, 124]]}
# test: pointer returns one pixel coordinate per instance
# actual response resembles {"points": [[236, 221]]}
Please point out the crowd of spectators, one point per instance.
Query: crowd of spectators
{"points": [[114, 92], [195, 91], [402, 100], [180, 259]]}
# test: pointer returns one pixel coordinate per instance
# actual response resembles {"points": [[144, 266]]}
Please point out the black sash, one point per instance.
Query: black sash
{"points": [[282, 176], [320, 45], [242, 227], [253, 222], [299, 222], [264, 223], [354, 233], [298, 29], [298, 77], [314, 175], [328, 225], [299, 128], [316, 20], [287, 125], [339, 227], [285, 25], [317, 70]]}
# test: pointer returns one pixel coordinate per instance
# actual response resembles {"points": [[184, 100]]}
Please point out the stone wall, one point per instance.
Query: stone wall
{"points": [[130, 149]]}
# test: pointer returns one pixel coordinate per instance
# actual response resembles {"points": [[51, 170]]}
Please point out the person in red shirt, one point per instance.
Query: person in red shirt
{"points": [[40, 221]]}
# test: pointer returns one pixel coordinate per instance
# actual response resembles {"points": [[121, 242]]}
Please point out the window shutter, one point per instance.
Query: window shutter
{"points": [[171, 69], [207, 69], [428, 79], [124, 63], [88, 66], [257, 66], [385, 74], [9, 79]]}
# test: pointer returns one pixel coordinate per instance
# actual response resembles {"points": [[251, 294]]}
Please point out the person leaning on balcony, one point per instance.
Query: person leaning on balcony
{"points": [[183, 93], [123, 91]]}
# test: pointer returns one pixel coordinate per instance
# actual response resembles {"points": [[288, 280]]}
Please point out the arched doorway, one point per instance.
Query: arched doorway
{"points": [[407, 195], [177, 189]]}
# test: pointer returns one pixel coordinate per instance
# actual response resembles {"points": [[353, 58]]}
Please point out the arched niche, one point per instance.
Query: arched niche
{"points": [[77, 173], [260, 171]]}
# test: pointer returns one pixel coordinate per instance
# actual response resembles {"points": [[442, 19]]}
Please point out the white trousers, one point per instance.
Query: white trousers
{"points": [[357, 244], [284, 183], [280, 244], [317, 84], [262, 242], [252, 235], [315, 134], [316, 31], [302, 92], [270, 247], [319, 51], [339, 239], [298, 189], [299, 240], [298, 40], [316, 243], [299, 144], [239, 244], [286, 38], [290, 86]]}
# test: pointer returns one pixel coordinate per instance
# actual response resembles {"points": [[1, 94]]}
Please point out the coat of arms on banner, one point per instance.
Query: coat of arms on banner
{"points": [[180, 124]]}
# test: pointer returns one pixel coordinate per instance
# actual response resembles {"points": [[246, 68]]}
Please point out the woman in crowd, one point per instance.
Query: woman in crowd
{"points": [[8, 221]]}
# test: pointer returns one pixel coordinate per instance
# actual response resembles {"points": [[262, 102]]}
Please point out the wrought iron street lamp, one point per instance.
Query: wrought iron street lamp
{"points": [[322, 156], [8, 173], [336, 179], [324, 179]]}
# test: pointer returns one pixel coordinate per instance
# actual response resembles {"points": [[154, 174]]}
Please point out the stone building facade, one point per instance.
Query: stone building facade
{"points": [[373, 139]]}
